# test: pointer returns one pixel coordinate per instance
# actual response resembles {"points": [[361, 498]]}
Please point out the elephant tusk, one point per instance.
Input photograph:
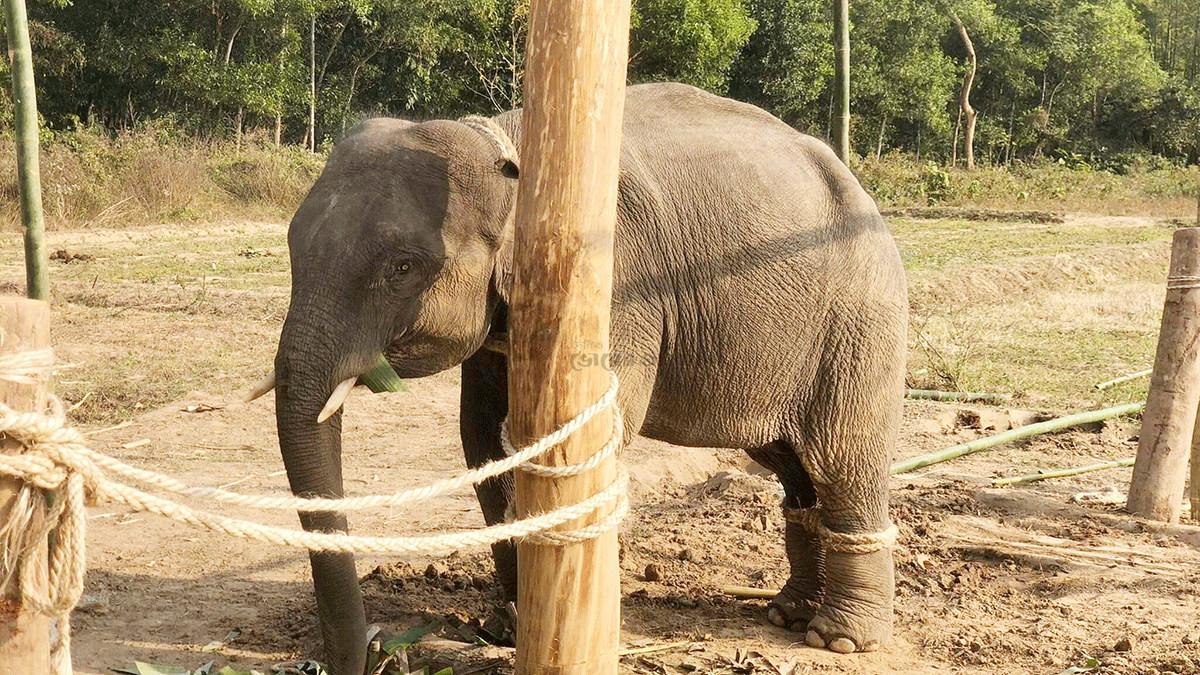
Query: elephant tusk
{"points": [[336, 399], [264, 385]]}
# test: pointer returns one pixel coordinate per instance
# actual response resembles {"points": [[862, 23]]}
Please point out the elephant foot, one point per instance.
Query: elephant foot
{"points": [[795, 605], [856, 612], [501, 625]]}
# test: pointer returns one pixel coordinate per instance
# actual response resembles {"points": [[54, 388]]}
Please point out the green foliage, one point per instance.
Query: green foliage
{"points": [[786, 65], [937, 185], [1100, 83], [693, 41]]}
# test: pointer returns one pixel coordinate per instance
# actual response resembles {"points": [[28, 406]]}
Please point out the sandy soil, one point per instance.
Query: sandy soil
{"points": [[1027, 579], [996, 580]]}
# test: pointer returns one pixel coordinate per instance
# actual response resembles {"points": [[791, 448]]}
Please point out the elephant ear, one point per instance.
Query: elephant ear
{"points": [[507, 164], [503, 271]]}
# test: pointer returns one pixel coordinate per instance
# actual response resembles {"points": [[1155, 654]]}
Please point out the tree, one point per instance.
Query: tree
{"points": [[693, 41]]}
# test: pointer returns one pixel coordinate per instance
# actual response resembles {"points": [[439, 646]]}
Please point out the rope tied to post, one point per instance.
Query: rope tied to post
{"points": [[56, 466], [50, 500]]}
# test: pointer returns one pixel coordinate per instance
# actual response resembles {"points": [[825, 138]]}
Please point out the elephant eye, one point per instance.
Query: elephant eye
{"points": [[404, 267]]}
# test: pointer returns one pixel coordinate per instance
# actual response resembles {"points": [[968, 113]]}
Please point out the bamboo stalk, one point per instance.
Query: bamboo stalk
{"points": [[747, 592], [654, 649], [1123, 379], [1063, 473], [963, 396], [1017, 434], [25, 119]]}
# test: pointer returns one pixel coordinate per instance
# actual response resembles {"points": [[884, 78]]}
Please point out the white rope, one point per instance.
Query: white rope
{"points": [[1182, 282], [54, 452], [474, 477], [494, 132], [56, 460], [31, 367]]}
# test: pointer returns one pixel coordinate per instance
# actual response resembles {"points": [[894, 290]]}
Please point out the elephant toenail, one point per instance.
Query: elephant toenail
{"points": [[775, 616], [814, 639], [842, 645], [871, 646]]}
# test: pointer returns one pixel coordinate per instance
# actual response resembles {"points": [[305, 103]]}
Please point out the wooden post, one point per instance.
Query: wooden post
{"points": [[25, 118], [1156, 490], [24, 634], [1194, 479], [568, 597]]}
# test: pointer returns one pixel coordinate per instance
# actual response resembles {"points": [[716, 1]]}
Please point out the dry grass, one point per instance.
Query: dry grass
{"points": [[1041, 311], [157, 175], [1170, 192]]}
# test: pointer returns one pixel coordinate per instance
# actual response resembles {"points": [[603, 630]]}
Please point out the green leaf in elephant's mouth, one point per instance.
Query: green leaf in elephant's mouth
{"points": [[383, 378]]}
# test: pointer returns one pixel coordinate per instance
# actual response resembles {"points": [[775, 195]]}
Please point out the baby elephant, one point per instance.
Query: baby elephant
{"points": [[759, 302]]}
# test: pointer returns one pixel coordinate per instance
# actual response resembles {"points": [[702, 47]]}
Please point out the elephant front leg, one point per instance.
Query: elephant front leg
{"points": [[484, 404], [797, 603]]}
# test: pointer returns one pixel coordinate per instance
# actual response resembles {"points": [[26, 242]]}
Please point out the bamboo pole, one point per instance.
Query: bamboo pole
{"points": [[25, 118], [1123, 379], [24, 634], [568, 597], [964, 396], [988, 442], [1167, 426], [748, 592], [1063, 473], [841, 79]]}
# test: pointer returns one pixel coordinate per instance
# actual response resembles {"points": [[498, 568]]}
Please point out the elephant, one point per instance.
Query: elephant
{"points": [[759, 302]]}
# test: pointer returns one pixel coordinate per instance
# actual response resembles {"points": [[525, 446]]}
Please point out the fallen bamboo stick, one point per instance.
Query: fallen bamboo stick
{"points": [[1123, 379], [963, 396], [1017, 434], [1063, 473], [747, 592], [655, 649]]}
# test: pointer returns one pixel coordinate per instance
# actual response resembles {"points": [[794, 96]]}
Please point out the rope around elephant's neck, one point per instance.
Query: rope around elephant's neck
{"points": [[496, 134]]}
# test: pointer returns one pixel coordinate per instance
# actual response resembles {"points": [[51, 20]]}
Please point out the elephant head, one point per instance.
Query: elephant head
{"points": [[403, 246]]}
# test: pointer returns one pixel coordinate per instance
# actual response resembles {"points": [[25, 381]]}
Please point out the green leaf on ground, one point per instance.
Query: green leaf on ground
{"points": [[1088, 666], [409, 637]]}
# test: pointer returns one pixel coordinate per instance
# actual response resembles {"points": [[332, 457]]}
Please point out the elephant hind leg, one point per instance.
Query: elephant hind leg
{"points": [[852, 429], [800, 598]]}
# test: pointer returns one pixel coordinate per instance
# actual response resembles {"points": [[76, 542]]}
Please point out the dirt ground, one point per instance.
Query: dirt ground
{"points": [[1026, 579]]}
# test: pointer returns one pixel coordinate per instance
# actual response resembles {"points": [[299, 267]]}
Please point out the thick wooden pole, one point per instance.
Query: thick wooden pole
{"points": [[841, 79], [24, 635], [1156, 490], [25, 117], [568, 597]]}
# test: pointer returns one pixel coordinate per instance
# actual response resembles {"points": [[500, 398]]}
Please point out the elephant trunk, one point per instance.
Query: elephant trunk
{"points": [[306, 372]]}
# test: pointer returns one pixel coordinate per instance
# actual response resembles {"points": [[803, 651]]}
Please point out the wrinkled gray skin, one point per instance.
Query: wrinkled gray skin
{"points": [[759, 303]]}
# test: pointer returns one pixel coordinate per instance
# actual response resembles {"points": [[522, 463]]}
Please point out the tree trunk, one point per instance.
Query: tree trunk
{"points": [[1012, 119], [237, 144], [954, 143], [964, 97], [278, 129], [841, 86], [879, 145], [312, 82]]}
